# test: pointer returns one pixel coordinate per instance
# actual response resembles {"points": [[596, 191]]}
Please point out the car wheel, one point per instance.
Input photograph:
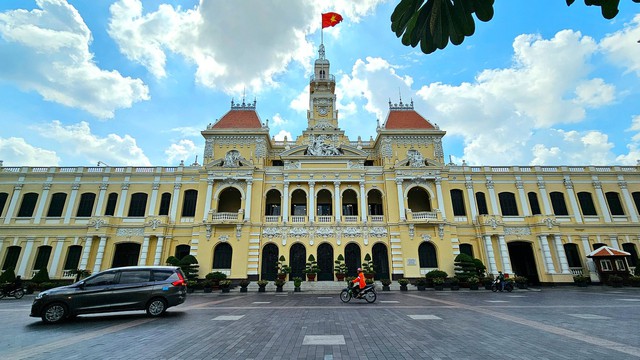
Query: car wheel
{"points": [[54, 313], [156, 307]]}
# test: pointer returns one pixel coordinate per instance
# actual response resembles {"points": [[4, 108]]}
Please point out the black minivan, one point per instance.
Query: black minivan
{"points": [[150, 288]]}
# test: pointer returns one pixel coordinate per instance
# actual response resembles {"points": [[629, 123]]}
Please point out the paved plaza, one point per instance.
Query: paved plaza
{"points": [[550, 323]]}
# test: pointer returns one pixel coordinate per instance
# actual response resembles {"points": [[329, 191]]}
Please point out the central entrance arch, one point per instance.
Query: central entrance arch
{"points": [[325, 262], [269, 269], [380, 261], [298, 256], [126, 254], [352, 258], [523, 262]]}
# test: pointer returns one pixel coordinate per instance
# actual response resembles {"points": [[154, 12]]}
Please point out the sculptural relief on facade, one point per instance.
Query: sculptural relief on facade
{"points": [[415, 158], [319, 147], [232, 159]]}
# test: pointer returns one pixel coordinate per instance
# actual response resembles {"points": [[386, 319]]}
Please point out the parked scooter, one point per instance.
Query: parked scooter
{"points": [[496, 286], [368, 293], [16, 293]]}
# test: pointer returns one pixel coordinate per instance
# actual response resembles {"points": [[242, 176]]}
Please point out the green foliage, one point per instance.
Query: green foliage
{"points": [[368, 281], [480, 268], [386, 282], [41, 276], [190, 267], [367, 265], [225, 284], [403, 282], [283, 268], [340, 267], [279, 282], [244, 283], [520, 280], [173, 261], [8, 276], [464, 267], [473, 280], [311, 266], [297, 281], [438, 281], [435, 274], [216, 276], [262, 283], [580, 279], [437, 22], [420, 282]]}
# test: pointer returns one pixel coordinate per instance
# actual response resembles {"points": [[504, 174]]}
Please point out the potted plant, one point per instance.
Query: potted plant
{"points": [[473, 282], [386, 284], [262, 284], [367, 267], [279, 283], [225, 285], [521, 282], [215, 277], [311, 268], [244, 283], [340, 268], [434, 274], [438, 283], [403, 284], [581, 281], [455, 283], [420, 283], [487, 281], [207, 286], [615, 280], [296, 284], [283, 268], [368, 281]]}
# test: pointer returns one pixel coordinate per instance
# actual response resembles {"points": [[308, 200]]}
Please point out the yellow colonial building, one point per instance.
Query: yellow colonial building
{"points": [[254, 199]]}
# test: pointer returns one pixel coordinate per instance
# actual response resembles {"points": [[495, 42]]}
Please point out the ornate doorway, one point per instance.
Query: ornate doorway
{"points": [[352, 259], [269, 269], [523, 262], [126, 254], [325, 262], [381, 261], [298, 259]]}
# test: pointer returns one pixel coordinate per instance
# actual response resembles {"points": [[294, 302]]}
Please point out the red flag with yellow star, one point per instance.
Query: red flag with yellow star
{"points": [[330, 19]]}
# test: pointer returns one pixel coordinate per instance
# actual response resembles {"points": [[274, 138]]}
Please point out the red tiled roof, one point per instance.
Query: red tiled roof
{"points": [[406, 119], [239, 119], [607, 251]]}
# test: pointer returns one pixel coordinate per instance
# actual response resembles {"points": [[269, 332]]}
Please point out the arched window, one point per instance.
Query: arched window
{"points": [[298, 203], [457, 201], [613, 199], [42, 257], [273, 203], [165, 203], [222, 256], [85, 207], [112, 200], [182, 251], [427, 255], [3, 201], [349, 202], [324, 204], [138, 205], [189, 204], [11, 258], [635, 195], [631, 249], [466, 249], [57, 205], [573, 255], [508, 204], [230, 200], [418, 200], [558, 204], [29, 201], [73, 257], [374, 198], [533, 203], [586, 203], [481, 201]]}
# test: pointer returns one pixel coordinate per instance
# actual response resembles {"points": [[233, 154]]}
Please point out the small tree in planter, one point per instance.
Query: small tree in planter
{"points": [[244, 283], [438, 283], [473, 282], [172, 261], [283, 268], [367, 267], [420, 283], [455, 283], [581, 281], [190, 267], [480, 268], [279, 283], [262, 284], [433, 274], [215, 278], [385, 284], [42, 276], [487, 281], [311, 268], [8, 276], [340, 268], [296, 284], [464, 267], [403, 284], [225, 285]]}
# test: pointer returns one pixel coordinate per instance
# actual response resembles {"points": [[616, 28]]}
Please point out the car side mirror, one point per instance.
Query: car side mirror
{"points": [[80, 285]]}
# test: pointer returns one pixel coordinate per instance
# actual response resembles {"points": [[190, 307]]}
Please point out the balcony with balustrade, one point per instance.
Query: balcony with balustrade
{"points": [[432, 217]]}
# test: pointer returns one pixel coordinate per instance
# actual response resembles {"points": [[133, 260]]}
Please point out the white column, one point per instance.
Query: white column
{"points": [[627, 199], [591, 266], [504, 255], [311, 211], [614, 242], [103, 191], [492, 197], [544, 196], [546, 253], [604, 208], [175, 199], [144, 251], [524, 200], [441, 206], [125, 191], [14, 200], [401, 209], [57, 256], [207, 201], [22, 269], [337, 200], [154, 198], [572, 199], [363, 203], [247, 201], [43, 200], [491, 261], [472, 199], [84, 260], [72, 202], [100, 254], [285, 202], [562, 256], [159, 244]]}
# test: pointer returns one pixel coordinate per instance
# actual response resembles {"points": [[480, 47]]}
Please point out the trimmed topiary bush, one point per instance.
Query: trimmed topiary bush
{"points": [[41, 276], [7, 276]]}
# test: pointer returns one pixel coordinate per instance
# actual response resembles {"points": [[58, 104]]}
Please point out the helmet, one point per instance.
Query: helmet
{"points": [[359, 269]]}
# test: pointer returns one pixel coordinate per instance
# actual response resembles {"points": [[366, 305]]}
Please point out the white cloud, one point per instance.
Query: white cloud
{"points": [[16, 152], [572, 147], [301, 102], [228, 54], [633, 156], [188, 131], [622, 46], [278, 120], [182, 150], [282, 134], [47, 50], [78, 140]]}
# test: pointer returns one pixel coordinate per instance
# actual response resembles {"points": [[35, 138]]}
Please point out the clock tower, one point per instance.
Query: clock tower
{"points": [[322, 99]]}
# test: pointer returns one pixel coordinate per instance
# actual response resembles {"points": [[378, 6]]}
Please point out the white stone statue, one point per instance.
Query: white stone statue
{"points": [[415, 158]]}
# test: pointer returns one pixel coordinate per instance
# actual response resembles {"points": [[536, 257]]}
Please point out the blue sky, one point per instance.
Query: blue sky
{"points": [[133, 82]]}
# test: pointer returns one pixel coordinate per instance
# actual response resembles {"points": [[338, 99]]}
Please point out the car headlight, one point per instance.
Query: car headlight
{"points": [[41, 295]]}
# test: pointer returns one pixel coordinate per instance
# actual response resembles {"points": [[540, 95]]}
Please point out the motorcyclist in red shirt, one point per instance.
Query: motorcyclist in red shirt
{"points": [[360, 282]]}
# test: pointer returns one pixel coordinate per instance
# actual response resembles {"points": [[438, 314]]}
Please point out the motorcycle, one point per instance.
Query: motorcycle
{"points": [[495, 286], [16, 293], [368, 293]]}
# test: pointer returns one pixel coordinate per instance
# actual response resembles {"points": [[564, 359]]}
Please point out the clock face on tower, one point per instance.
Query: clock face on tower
{"points": [[323, 110]]}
